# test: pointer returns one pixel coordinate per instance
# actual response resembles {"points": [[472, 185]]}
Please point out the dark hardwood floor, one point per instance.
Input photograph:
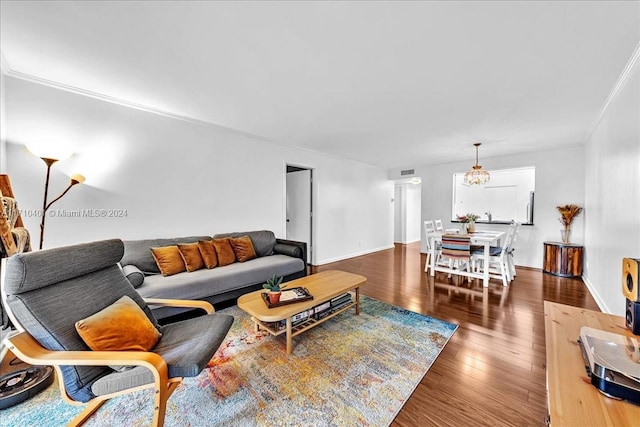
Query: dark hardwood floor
{"points": [[492, 370]]}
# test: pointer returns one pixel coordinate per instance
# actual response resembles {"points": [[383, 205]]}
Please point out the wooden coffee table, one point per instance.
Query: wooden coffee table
{"points": [[323, 286]]}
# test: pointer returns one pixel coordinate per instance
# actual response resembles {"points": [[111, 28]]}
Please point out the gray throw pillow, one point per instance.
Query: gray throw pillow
{"points": [[134, 275]]}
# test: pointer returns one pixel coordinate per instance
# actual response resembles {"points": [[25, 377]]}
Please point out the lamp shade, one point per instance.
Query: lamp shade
{"points": [[76, 178], [477, 175], [50, 151]]}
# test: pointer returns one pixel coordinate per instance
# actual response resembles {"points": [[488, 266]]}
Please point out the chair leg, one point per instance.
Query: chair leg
{"points": [[503, 273], [83, 416], [160, 402], [426, 264]]}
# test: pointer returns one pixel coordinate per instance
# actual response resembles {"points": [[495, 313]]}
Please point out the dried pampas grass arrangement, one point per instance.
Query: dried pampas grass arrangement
{"points": [[568, 213]]}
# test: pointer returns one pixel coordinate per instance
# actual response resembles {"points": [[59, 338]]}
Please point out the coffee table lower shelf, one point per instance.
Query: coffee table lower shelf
{"points": [[301, 327], [292, 331]]}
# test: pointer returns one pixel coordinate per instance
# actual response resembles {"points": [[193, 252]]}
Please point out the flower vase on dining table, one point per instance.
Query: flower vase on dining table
{"points": [[471, 227]]}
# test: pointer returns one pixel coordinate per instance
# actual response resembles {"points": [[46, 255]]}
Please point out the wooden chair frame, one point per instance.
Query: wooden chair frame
{"points": [[25, 347]]}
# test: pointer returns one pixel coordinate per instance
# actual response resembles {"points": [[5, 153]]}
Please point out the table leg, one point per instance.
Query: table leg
{"points": [[485, 271], [358, 301], [432, 260], [289, 346]]}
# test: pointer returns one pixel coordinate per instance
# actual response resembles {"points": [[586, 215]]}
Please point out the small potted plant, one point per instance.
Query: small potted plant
{"points": [[275, 286]]}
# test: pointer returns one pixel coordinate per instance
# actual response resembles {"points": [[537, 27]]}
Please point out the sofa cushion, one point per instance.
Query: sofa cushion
{"points": [[137, 252], [169, 260], [208, 253], [204, 283], [225, 252], [263, 240], [243, 248], [191, 256]]}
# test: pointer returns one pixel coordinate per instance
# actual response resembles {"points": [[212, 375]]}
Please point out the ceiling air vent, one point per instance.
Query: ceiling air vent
{"points": [[407, 172]]}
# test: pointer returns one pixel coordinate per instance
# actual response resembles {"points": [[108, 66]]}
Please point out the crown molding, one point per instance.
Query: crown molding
{"points": [[106, 98], [615, 91], [124, 103]]}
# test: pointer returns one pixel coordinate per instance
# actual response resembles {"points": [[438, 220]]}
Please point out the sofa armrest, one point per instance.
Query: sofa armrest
{"points": [[284, 246]]}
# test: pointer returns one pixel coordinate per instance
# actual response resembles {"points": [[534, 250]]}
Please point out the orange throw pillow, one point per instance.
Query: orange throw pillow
{"points": [[243, 248], [208, 253], [225, 252], [122, 326], [191, 256], [169, 260]]}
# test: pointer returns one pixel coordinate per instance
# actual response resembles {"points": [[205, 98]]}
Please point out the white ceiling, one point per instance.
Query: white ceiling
{"points": [[390, 84]]}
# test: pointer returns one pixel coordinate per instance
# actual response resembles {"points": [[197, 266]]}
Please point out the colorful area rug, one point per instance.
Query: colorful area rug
{"points": [[349, 371]]}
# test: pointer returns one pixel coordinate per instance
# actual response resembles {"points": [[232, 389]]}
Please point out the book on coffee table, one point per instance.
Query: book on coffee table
{"points": [[289, 296]]}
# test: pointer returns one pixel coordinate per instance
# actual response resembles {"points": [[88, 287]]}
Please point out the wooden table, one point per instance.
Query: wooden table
{"points": [[572, 399], [484, 238], [323, 286], [563, 259]]}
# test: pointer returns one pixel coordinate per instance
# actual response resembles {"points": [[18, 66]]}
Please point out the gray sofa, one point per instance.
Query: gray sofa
{"points": [[220, 284]]}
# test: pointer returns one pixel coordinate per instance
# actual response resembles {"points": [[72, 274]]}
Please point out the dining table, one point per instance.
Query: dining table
{"points": [[484, 238]]}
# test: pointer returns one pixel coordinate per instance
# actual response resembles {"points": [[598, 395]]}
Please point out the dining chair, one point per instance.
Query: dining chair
{"points": [[456, 250], [438, 225], [75, 310], [429, 229], [498, 263]]}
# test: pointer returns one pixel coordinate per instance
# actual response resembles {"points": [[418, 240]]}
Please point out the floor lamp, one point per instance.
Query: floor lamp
{"points": [[75, 179]]}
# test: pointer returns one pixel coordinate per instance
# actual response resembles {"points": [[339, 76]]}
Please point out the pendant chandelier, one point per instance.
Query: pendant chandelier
{"points": [[476, 175]]}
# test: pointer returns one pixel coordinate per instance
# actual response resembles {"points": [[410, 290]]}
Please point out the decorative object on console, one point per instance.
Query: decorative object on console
{"points": [[567, 215], [477, 175], [75, 179], [275, 286]]}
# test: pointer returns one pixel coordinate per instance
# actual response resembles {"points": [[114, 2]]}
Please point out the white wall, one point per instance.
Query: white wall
{"points": [[559, 180], [612, 199], [176, 178], [414, 211], [3, 121]]}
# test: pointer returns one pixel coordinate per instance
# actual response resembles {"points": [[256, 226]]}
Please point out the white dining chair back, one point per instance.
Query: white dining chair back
{"points": [[438, 225], [429, 226]]}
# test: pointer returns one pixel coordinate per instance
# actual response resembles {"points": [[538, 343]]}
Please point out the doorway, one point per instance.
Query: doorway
{"points": [[407, 210], [299, 206]]}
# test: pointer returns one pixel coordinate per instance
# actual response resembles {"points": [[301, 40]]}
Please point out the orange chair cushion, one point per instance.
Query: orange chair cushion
{"points": [[122, 326]]}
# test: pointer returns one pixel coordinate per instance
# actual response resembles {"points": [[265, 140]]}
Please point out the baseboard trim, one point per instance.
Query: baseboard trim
{"points": [[592, 290], [354, 255]]}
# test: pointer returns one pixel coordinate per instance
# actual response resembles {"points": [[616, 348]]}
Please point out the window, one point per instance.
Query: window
{"points": [[507, 197]]}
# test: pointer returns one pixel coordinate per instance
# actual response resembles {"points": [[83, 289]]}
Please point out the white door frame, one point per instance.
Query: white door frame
{"points": [[311, 249]]}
